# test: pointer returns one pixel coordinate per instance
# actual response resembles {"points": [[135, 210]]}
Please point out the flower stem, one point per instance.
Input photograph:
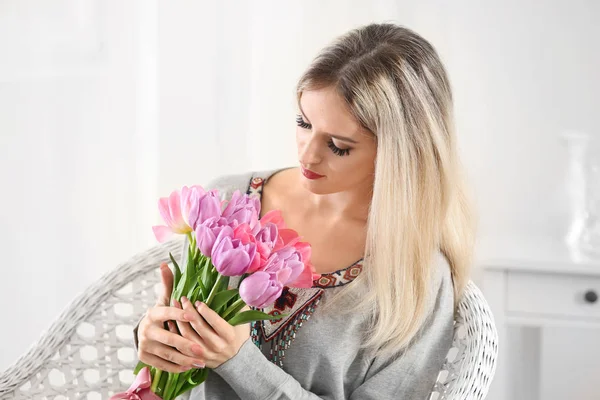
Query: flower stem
{"points": [[214, 289], [155, 380], [192, 244], [231, 308]]}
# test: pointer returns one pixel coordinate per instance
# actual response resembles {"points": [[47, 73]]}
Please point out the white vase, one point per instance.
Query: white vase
{"points": [[583, 189]]}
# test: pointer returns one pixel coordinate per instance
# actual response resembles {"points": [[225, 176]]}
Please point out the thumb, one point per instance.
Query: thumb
{"points": [[166, 277]]}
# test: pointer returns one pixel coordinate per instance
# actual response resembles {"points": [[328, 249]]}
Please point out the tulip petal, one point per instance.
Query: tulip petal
{"points": [[175, 210], [274, 217], [163, 209], [305, 279], [254, 286], [259, 290], [162, 233]]}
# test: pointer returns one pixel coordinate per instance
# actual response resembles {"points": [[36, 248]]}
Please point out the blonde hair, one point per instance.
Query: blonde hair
{"points": [[396, 86]]}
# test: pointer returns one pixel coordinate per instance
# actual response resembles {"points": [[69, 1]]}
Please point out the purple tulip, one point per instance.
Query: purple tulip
{"points": [[207, 233], [285, 265], [243, 209], [204, 206], [230, 256], [259, 290]]}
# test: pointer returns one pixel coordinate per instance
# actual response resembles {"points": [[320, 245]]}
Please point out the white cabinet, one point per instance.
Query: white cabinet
{"points": [[547, 311]]}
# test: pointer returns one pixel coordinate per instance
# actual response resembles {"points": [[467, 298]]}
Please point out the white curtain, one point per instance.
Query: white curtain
{"points": [[78, 152], [228, 72], [107, 105]]}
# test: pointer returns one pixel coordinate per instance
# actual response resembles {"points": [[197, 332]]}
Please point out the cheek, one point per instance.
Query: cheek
{"points": [[302, 138]]}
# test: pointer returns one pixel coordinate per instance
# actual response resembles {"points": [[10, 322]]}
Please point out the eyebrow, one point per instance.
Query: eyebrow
{"points": [[341, 138]]}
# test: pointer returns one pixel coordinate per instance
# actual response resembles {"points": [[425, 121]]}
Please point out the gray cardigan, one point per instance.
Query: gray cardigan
{"points": [[317, 354]]}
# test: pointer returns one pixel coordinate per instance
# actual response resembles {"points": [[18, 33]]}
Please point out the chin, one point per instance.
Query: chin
{"points": [[316, 187]]}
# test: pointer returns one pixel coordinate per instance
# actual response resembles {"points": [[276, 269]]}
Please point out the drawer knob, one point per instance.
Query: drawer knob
{"points": [[591, 296]]}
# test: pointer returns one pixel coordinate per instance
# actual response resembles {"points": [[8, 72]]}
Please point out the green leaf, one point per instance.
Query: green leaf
{"points": [[170, 386], [253, 315], [196, 295], [205, 291], [222, 298], [198, 376], [233, 309], [139, 367], [177, 274], [206, 276], [224, 283], [183, 380]]}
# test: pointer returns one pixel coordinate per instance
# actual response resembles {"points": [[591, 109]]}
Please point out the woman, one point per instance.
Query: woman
{"points": [[379, 196]]}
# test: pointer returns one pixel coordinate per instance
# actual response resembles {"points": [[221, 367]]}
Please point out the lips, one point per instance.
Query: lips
{"points": [[308, 174]]}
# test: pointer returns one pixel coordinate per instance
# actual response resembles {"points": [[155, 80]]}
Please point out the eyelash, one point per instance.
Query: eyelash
{"points": [[300, 122], [336, 150]]}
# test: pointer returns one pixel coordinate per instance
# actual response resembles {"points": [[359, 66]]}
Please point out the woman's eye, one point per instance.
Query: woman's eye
{"points": [[336, 150], [301, 123]]}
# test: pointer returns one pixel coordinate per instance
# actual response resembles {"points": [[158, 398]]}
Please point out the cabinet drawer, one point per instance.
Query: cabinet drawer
{"points": [[552, 294]]}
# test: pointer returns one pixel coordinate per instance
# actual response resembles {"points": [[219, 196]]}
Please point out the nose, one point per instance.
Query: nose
{"points": [[309, 152]]}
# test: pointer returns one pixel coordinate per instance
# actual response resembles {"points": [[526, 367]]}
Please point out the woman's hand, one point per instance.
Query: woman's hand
{"points": [[161, 348], [216, 339]]}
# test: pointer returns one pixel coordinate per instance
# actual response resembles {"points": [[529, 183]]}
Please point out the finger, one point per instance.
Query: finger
{"points": [[187, 331], [164, 313], [170, 339], [199, 325], [218, 324], [173, 356], [162, 364], [166, 277], [172, 327]]}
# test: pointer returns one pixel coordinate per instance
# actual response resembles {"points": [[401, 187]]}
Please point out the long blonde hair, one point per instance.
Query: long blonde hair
{"points": [[396, 86]]}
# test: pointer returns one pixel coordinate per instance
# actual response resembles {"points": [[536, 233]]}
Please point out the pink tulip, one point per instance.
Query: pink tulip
{"points": [[273, 217], [243, 209], [285, 265], [230, 256], [175, 212], [259, 289], [308, 274], [266, 239], [244, 234], [139, 389], [207, 233], [288, 238], [203, 207]]}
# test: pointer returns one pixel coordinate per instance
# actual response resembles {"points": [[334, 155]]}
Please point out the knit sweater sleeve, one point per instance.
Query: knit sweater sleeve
{"points": [[409, 374]]}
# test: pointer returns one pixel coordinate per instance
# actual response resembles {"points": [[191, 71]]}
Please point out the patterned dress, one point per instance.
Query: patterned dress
{"points": [[275, 337]]}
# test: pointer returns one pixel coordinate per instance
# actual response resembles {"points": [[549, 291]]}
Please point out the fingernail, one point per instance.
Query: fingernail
{"points": [[198, 304], [184, 299], [198, 365]]}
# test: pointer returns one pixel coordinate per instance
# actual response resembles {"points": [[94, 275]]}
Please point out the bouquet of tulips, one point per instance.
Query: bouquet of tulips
{"points": [[226, 239]]}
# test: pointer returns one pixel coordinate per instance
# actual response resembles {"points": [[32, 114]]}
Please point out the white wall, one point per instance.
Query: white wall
{"points": [[182, 91], [75, 190]]}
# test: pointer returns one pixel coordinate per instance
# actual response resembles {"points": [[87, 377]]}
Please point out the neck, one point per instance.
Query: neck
{"points": [[349, 204]]}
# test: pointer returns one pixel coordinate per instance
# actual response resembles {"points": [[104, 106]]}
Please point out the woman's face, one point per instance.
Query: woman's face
{"points": [[336, 153]]}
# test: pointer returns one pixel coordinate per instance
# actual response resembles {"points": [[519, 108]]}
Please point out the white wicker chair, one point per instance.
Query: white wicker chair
{"points": [[88, 351], [471, 361]]}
